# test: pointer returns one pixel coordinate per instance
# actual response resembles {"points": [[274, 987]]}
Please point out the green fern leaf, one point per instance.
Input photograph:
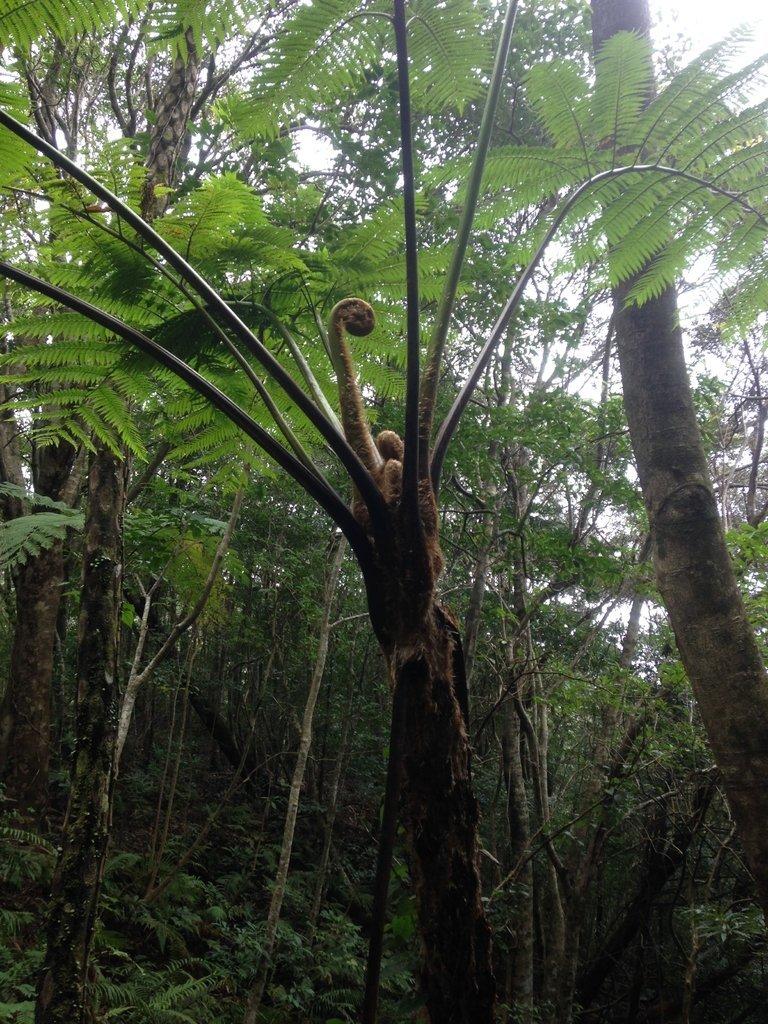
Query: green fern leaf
{"points": [[559, 95], [26, 536], [623, 83], [23, 22]]}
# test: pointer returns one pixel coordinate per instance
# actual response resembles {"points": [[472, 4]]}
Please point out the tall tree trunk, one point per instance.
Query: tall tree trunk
{"points": [[520, 966], [693, 569], [520, 661], [56, 472], [25, 713], [77, 879], [25, 716], [305, 741]]}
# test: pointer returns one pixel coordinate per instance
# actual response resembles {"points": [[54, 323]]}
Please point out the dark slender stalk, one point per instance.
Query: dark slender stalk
{"points": [[387, 836], [451, 421], [357, 471], [411, 456], [325, 496], [431, 377]]}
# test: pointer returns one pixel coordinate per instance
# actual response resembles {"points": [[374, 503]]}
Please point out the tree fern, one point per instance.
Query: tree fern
{"points": [[622, 86], [13, 157], [449, 51], [322, 51], [559, 94], [210, 22]]}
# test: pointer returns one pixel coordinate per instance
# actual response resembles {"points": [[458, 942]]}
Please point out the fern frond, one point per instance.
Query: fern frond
{"points": [[23, 22], [449, 52], [559, 95], [321, 53], [26, 536], [623, 83]]}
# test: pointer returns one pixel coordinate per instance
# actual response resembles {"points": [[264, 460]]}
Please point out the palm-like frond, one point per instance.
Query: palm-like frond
{"points": [[559, 95], [652, 222], [321, 53], [448, 52], [23, 22], [622, 86]]}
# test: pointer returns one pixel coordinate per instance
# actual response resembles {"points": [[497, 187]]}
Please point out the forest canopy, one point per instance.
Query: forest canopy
{"points": [[383, 514]]}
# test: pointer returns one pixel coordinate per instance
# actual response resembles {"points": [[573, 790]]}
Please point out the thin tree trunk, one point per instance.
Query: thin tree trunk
{"points": [[476, 596], [693, 569], [557, 940], [77, 879], [492, 502], [333, 800], [138, 677], [236, 753], [520, 990], [256, 994], [662, 860], [160, 838]]}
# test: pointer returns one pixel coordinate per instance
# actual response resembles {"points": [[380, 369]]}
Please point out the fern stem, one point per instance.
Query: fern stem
{"points": [[412, 374], [431, 377], [357, 471], [325, 496], [451, 421]]}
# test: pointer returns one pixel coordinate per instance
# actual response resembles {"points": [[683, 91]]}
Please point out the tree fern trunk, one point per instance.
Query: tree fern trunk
{"points": [[169, 134], [440, 816]]}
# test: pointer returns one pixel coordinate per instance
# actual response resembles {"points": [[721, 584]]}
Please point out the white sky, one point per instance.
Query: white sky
{"points": [[706, 21]]}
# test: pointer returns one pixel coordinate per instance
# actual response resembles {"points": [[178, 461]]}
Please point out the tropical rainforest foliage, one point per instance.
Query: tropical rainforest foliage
{"points": [[195, 727]]}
